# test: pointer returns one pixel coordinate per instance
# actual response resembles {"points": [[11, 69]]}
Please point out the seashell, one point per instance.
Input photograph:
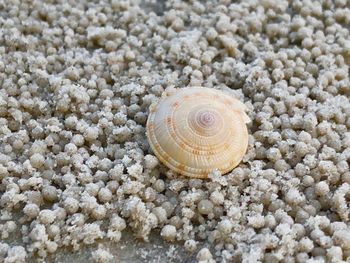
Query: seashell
{"points": [[195, 130]]}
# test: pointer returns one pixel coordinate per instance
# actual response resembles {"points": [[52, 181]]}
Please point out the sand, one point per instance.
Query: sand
{"points": [[79, 181]]}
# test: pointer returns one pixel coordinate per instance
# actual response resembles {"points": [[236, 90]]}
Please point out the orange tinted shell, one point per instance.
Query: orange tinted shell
{"points": [[195, 130]]}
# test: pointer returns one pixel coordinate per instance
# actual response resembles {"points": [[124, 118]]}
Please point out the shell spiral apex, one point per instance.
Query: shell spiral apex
{"points": [[195, 130]]}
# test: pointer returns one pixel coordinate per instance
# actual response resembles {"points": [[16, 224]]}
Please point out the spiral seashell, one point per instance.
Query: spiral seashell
{"points": [[195, 130]]}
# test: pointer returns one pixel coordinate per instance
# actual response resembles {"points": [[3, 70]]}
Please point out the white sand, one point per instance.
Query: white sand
{"points": [[78, 180]]}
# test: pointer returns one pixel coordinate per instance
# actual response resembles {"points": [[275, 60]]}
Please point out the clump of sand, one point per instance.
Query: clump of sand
{"points": [[76, 81]]}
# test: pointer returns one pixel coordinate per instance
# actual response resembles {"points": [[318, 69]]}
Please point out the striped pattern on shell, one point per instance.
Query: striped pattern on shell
{"points": [[195, 130]]}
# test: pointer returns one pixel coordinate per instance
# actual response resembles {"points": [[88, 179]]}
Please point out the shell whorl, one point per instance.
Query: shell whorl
{"points": [[195, 130], [205, 122]]}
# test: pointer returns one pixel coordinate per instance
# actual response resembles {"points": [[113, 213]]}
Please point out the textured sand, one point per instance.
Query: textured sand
{"points": [[78, 179]]}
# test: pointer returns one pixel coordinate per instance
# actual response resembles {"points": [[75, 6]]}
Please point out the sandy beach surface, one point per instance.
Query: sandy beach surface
{"points": [[78, 180]]}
